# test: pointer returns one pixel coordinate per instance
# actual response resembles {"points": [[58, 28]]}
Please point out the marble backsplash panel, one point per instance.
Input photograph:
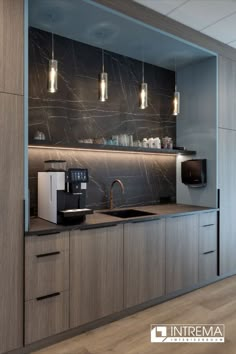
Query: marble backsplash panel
{"points": [[74, 112], [146, 177]]}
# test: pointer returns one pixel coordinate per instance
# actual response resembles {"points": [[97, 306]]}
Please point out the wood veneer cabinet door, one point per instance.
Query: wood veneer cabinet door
{"points": [[11, 222], [227, 92], [96, 274], [182, 235], [144, 261], [227, 173], [11, 46]]}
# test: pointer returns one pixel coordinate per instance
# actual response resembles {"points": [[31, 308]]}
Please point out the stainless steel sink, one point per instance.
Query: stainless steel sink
{"points": [[127, 213]]}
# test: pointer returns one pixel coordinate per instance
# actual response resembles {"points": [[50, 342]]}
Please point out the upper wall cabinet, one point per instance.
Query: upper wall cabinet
{"points": [[227, 92], [11, 46]]}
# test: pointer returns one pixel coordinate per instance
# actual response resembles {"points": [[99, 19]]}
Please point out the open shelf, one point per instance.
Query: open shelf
{"points": [[81, 146]]}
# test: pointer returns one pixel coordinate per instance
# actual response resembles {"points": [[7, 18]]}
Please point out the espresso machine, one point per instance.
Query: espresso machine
{"points": [[62, 196]]}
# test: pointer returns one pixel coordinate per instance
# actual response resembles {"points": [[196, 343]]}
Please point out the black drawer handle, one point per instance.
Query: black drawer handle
{"points": [[208, 252], [208, 225], [93, 227], [47, 296], [47, 254], [139, 221], [48, 233]]}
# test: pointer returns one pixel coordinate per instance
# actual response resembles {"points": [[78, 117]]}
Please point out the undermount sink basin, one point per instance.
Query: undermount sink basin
{"points": [[127, 213]]}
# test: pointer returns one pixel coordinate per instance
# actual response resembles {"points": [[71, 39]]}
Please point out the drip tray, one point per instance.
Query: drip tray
{"points": [[68, 213]]}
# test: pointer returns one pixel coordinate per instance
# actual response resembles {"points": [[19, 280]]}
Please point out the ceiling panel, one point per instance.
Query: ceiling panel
{"points": [[199, 14], [224, 30], [162, 6], [215, 18]]}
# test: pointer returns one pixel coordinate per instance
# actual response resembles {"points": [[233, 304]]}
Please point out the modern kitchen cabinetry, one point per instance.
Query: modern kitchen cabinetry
{"points": [[227, 90], [11, 174], [46, 286], [11, 221], [181, 252], [227, 173], [96, 273], [76, 277], [11, 46], [207, 246], [144, 261]]}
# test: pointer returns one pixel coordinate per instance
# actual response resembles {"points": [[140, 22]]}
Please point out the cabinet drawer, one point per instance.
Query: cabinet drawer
{"points": [[45, 317], [208, 238], [46, 273], [207, 266], [207, 219], [36, 245]]}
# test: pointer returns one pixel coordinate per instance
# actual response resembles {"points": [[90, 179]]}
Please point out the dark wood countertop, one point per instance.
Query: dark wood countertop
{"points": [[42, 227]]}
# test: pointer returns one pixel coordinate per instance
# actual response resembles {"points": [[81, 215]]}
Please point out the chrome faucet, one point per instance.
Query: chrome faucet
{"points": [[111, 194]]}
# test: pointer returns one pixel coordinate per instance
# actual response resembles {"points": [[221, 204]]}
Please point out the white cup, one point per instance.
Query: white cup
{"points": [[150, 143], [157, 143]]}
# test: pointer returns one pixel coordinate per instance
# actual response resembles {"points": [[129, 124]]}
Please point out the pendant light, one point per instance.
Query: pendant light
{"points": [[143, 98], [103, 83], [176, 101], [52, 71]]}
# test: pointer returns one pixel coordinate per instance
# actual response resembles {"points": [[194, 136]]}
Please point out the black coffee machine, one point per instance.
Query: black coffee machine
{"points": [[62, 196]]}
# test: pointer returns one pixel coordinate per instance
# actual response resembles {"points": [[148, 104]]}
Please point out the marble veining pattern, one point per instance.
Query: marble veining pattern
{"points": [[74, 113], [146, 178]]}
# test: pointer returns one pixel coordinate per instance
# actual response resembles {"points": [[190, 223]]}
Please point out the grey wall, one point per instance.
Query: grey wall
{"points": [[197, 128]]}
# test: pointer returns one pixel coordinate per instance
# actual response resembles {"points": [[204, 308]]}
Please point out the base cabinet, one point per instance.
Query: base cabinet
{"points": [[46, 286], [207, 246], [96, 274], [182, 234], [77, 277], [144, 261], [46, 316]]}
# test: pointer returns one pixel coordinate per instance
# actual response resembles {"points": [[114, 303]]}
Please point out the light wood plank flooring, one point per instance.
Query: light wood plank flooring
{"points": [[213, 304]]}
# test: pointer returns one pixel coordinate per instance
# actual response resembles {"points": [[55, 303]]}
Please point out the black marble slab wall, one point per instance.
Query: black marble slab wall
{"points": [[74, 113], [146, 177]]}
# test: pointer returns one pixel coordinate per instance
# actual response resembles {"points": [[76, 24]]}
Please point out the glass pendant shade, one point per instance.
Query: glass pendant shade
{"points": [[103, 87], [143, 99], [176, 103], [103, 83], [52, 76], [52, 71]]}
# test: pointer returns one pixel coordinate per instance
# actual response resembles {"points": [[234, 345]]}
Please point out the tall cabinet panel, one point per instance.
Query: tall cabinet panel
{"points": [[11, 46], [227, 92], [11, 221], [227, 173], [11, 174]]}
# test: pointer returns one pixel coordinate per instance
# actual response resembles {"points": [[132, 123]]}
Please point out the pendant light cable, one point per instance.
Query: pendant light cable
{"points": [[103, 67], [143, 72], [52, 46]]}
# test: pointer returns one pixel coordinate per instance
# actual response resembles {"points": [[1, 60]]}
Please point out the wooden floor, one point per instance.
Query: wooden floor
{"points": [[213, 304]]}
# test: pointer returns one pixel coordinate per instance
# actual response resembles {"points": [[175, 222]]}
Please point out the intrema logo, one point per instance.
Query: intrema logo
{"points": [[188, 333]]}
